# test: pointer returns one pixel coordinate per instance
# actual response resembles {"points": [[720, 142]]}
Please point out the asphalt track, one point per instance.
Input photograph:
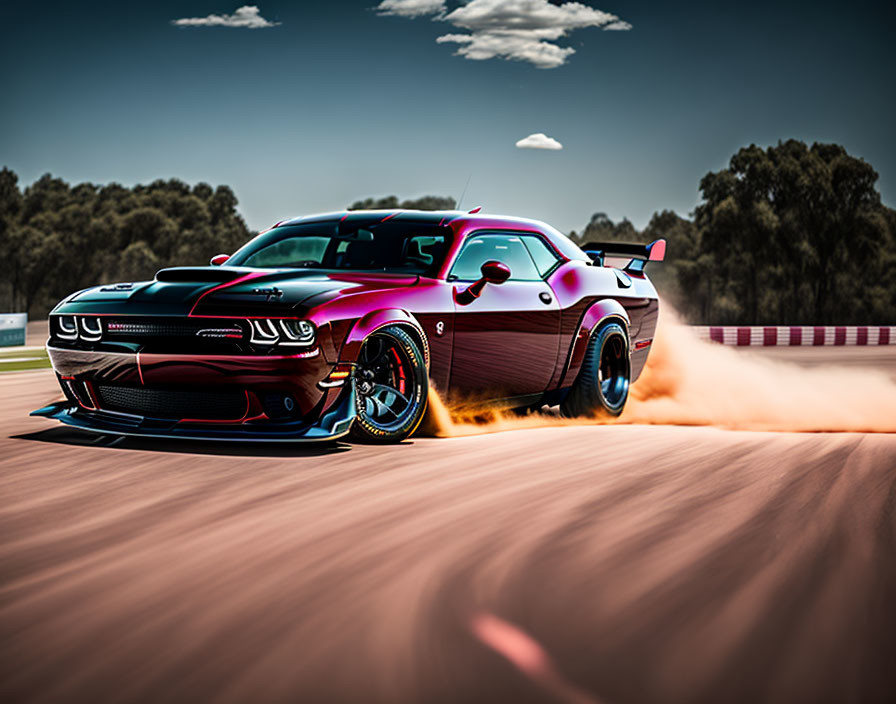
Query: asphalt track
{"points": [[586, 563]]}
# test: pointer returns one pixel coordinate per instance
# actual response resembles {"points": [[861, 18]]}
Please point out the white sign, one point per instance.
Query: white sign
{"points": [[12, 329]]}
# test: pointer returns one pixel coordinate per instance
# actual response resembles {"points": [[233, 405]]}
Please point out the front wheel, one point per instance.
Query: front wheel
{"points": [[392, 385], [602, 385]]}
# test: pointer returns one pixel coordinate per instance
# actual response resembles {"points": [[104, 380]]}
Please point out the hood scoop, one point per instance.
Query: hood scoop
{"points": [[198, 274]]}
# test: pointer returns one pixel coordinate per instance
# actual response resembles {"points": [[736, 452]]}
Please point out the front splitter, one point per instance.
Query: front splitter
{"points": [[333, 424]]}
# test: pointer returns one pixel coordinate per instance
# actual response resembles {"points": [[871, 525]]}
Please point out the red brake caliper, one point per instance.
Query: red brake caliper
{"points": [[401, 378]]}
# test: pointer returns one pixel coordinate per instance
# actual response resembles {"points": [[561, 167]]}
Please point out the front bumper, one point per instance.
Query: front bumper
{"points": [[332, 425], [319, 410]]}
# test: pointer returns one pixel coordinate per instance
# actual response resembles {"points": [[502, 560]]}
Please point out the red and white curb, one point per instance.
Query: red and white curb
{"points": [[797, 335]]}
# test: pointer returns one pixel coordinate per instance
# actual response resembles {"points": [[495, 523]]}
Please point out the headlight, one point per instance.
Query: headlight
{"points": [[87, 328], [296, 333], [66, 327], [91, 329]]}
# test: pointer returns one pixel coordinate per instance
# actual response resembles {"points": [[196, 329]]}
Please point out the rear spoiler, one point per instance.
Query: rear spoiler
{"points": [[640, 253]]}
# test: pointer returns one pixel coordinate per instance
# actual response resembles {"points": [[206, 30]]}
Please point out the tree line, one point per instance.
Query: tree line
{"points": [[392, 202], [789, 234], [57, 239]]}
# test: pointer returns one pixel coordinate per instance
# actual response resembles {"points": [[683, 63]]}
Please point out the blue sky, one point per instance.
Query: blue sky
{"points": [[336, 101]]}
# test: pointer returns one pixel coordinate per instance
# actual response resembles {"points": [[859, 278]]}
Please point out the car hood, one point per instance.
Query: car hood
{"points": [[228, 292]]}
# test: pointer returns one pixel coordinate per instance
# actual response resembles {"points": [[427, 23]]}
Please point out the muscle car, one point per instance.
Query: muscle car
{"points": [[341, 324]]}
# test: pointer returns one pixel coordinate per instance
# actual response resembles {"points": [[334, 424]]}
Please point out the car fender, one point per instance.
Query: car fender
{"points": [[379, 319], [599, 313]]}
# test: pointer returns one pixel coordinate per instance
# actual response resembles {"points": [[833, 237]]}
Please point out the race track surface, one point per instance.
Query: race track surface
{"points": [[612, 564]]}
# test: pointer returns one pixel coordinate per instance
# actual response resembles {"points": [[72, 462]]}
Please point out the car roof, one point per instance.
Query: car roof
{"points": [[435, 217], [463, 223]]}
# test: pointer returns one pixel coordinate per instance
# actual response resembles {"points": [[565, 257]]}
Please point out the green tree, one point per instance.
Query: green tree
{"points": [[39, 258], [392, 202], [602, 229], [58, 238], [10, 196], [386, 203], [10, 205], [137, 262], [429, 203], [795, 234], [676, 277]]}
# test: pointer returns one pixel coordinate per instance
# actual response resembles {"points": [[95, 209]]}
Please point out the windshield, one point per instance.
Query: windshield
{"points": [[391, 247]]}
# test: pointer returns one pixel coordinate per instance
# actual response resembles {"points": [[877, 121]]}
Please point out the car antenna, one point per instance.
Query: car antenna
{"points": [[457, 207]]}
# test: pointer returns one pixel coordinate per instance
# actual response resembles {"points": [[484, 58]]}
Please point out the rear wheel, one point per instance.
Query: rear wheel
{"points": [[392, 385], [603, 382]]}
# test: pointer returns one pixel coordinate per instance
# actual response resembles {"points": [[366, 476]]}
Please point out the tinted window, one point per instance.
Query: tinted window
{"points": [[290, 252], [393, 247], [507, 249], [542, 254]]}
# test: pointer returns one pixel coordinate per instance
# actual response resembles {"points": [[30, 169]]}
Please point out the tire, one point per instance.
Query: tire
{"points": [[601, 387], [391, 384]]}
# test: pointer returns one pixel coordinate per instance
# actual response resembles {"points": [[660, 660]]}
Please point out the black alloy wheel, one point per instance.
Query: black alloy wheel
{"points": [[603, 382], [392, 385]]}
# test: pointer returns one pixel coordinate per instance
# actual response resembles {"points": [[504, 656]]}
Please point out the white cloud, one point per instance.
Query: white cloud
{"points": [[618, 27], [519, 30], [539, 140], [410, 8], [482, 46], [527, 15], [247, 16]]}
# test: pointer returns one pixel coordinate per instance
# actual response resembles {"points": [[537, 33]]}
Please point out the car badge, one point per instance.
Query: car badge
{"points": [[271, 293], [440, 328], [220, 332]]}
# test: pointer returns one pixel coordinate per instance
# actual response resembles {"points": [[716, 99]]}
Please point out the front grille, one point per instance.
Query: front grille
{"points": [[139, 329], [121, 328], [174, 403]]}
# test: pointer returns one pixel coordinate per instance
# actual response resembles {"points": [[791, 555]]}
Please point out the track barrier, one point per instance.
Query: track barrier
{"points": [[797, 335]]}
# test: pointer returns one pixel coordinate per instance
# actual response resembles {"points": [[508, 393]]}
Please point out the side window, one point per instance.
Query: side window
{"points": [[508, 249], [424, 251], [544, 256]]}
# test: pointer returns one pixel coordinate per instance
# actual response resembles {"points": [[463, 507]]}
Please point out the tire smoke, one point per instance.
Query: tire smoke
{"points": [[691, 382]]}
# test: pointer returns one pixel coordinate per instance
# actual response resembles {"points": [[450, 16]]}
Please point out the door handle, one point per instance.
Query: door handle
{"points": [[545, 297]]}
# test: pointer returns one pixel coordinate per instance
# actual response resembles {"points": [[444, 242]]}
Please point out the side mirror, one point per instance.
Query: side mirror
{"points": [[493, 272], [219, 259]]}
